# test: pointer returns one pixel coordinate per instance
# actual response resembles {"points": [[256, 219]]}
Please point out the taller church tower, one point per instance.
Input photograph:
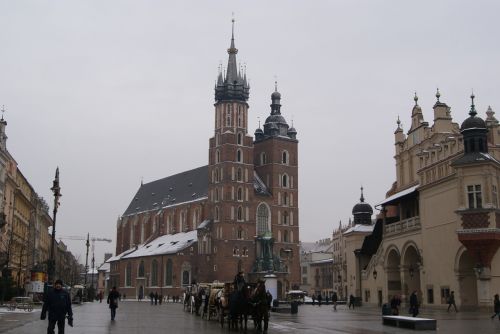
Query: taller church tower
{"points": [[230, 168]]}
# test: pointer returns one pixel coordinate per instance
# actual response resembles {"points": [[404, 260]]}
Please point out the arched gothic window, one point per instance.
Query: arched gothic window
{"points": [[217, 157], [141, 269], [239, 175], [284, 181], [154, 273], [239, 194], [240, 138], [216, 215], [228, 115], [285, 158], [168, 273], [263, 158], [239, 156], [128, 274], [262, 219], [240, 213]]}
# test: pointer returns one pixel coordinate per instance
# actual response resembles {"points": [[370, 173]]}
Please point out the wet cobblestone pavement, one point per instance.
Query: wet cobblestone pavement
{"points": [[142, 318]]}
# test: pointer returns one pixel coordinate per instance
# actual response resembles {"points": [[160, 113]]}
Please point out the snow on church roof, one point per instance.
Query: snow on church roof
{"points": [[165, 244]]}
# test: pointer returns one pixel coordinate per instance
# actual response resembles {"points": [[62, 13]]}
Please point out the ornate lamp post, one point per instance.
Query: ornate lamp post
{"points": [[56, 189]]}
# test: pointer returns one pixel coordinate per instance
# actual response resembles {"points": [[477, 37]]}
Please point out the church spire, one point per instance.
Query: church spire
{"points": [[233, 85]]}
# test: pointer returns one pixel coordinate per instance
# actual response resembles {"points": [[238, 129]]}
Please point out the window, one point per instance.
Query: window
{"points": [[263, 158], [239, 175], [217, 139], [236, 251], [154, 273], [239, 194], [141, 269], [285, 199], [285, 236], [239, 156], [239, 214], [128, 274], [216, 194], [494, 196], [228, 115], [240, 233], [240, 138], [430, 295], [185, 278], [474, 196], [240, 121], [245, 251], [262, 219], [284, 157], [285, 218], [217, 156], [445, 293], [284, 181], [217, 175], [168, 273], [216, 215], [304, 270]]}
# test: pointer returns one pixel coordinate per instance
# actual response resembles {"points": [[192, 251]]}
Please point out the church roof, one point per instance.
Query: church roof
{"points": [[179, 188], [188, 186]]}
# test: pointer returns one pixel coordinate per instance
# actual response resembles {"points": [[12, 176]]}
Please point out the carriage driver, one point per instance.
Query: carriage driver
{"points": [[239, 281]]}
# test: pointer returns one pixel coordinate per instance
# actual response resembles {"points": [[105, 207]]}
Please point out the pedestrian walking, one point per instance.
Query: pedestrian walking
{"points": [[414, 304], [334, 301], [151, 297], [451, 301], [113, 298], [351, 301], [156, 298], [496, 307], [58, 303], [320, 298], [100, 296], [160, 299], [313, 298], [326, 300]]}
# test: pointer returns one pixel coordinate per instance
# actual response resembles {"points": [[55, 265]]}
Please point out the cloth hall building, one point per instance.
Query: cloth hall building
{"points": [[238, 213], [439, 226]]}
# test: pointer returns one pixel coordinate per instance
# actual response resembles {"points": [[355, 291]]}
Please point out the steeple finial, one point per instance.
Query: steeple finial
{"points": [[472, 111], [415, 98], [3, 111], [362, 199], [258, 117], [232, 33], [438, 94], [275, 85]]}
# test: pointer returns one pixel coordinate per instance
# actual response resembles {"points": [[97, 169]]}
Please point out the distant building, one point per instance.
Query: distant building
{"points": [[316, 267], [238, 213]]}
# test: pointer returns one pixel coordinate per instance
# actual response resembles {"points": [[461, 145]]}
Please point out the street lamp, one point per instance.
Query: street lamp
{"points": [[57, 194], [411, 271]]}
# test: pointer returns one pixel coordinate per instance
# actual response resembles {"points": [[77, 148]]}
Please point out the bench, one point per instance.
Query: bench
{"points": [[409, 322]]}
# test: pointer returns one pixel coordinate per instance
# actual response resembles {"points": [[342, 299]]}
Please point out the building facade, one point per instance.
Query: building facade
{"points": [[238, 213], [439, 227]]}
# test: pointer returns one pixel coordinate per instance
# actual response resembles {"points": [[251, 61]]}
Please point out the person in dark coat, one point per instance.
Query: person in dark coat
{"points": [[496, 307], [334, 301], [239, 282], [58, 303], [414, 304], [451, 301], [152, 297], [395, 302], [320, 298], [113, 298], [351, 301], [156, 298]]}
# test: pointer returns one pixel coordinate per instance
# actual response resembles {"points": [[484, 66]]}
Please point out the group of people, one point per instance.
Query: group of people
{"points": [[155, 298], [414, 304]]}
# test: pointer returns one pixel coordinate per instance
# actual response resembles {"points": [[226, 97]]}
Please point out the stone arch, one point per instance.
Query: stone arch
{"points": [[411, 268], [392, 264], [467, 280]]}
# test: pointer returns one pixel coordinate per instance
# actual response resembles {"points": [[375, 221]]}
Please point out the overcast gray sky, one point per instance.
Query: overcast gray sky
{"points": [[115, 91]]}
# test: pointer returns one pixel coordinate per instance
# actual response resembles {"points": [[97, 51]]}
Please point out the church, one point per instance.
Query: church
{"points": [[238, 213]]}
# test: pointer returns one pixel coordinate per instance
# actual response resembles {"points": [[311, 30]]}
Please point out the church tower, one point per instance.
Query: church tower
{"points": [[230, 186], [276, 164]]}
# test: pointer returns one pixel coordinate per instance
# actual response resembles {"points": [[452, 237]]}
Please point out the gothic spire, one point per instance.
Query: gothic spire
{"points": [[472, 111], [233, 84]]}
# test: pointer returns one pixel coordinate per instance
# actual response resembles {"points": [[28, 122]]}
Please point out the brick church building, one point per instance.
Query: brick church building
{"points": [[239, 212]]}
